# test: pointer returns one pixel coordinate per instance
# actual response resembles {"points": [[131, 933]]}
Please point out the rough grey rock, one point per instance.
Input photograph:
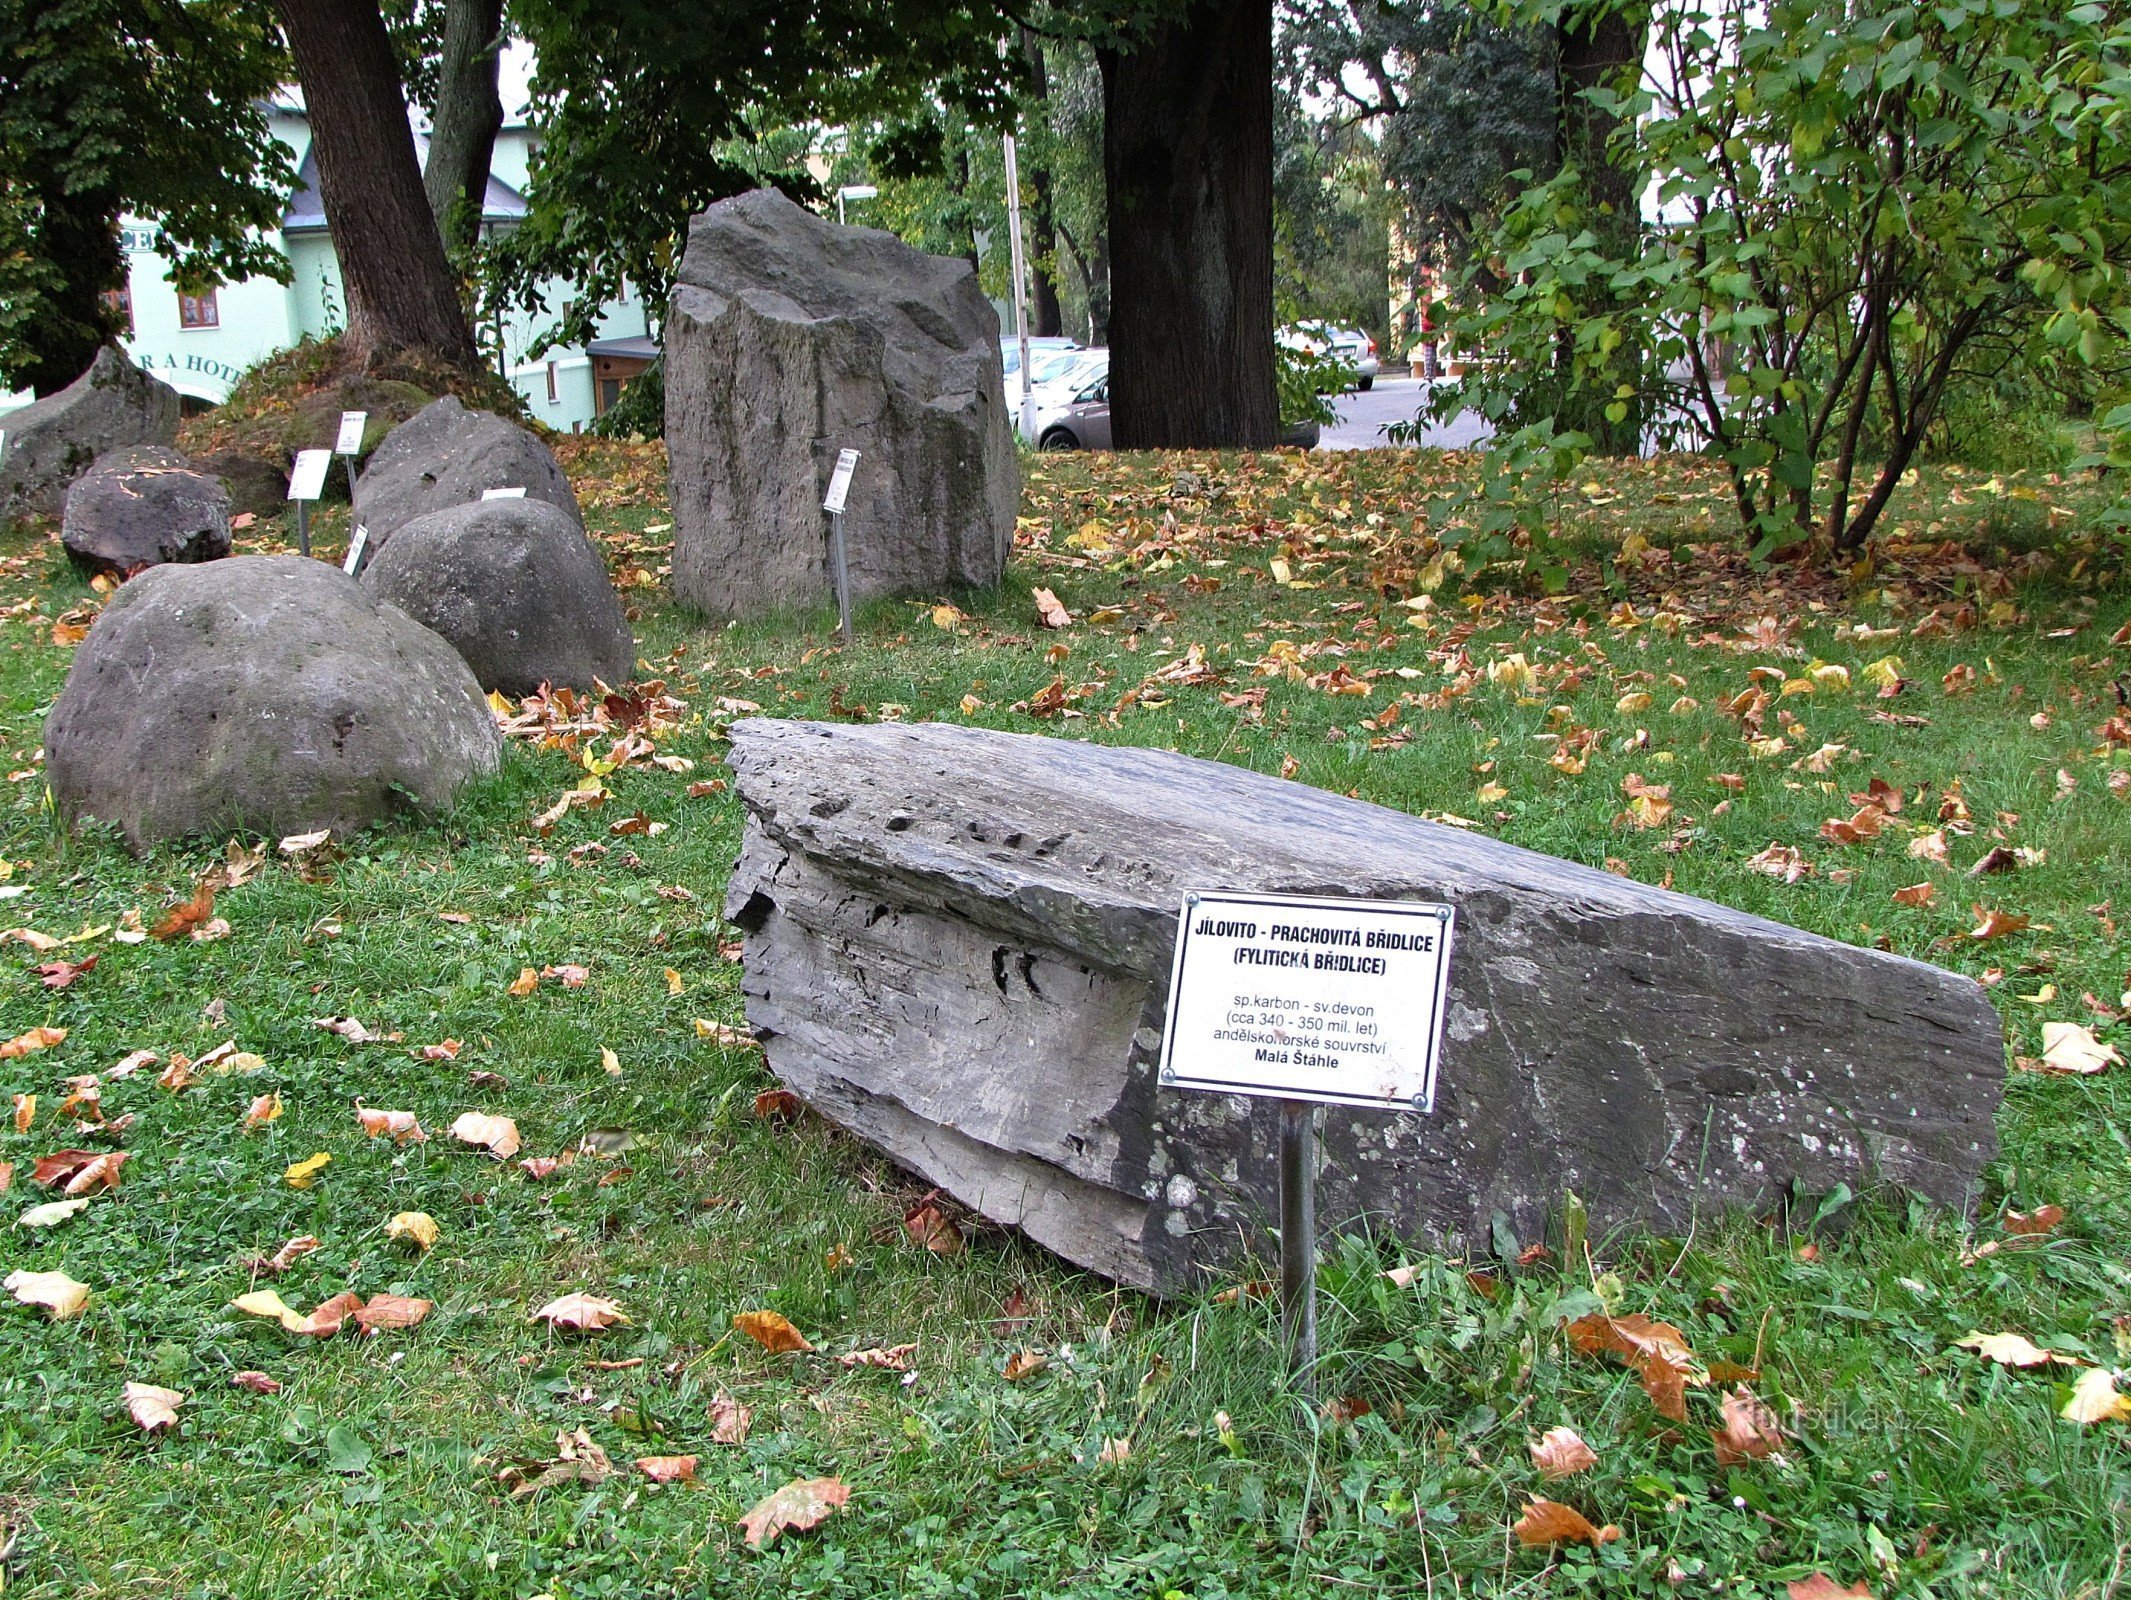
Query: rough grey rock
{"points": [[142, 506], [444, 456], [516, 588], [55, 440], [958, 946], [789, 338], [263, 693], [253, 483]]}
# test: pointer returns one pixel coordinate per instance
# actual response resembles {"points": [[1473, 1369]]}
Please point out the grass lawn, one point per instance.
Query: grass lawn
{"points": [[1673, 715]]}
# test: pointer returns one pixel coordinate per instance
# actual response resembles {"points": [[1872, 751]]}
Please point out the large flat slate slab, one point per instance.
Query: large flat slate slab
{"points": [[958, 946]]}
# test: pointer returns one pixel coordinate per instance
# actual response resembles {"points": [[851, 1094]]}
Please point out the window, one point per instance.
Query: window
{"points": [[199, 311], [553, 394], [119, 302]]}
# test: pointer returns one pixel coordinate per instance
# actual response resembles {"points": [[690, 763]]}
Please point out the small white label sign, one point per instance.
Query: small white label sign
{"points": [[503, 494], [840, 482], [1309, 998], [356, 546], [308, 481], [349, 442]]}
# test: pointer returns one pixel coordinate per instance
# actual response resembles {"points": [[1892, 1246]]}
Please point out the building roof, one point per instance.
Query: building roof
{"points": [[641, 346], [305, 212]]}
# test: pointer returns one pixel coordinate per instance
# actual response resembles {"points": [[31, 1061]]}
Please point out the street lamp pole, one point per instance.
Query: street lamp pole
{"points": [[1020, 268]]}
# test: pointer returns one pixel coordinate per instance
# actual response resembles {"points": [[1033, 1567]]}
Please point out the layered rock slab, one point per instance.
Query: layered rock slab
{"points": [[958, 946], [55, 440], [448, 455], [263, 693], [789, 338]]}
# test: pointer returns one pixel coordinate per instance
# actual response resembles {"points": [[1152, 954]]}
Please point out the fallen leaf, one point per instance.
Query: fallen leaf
{"points": [[61, 974], [302, 1174], [1561, 1453], [297, 844], [1916, 894], [778, 1105], [190, 914], [178, 1075], [1115, 1450], [1656, 1350], [1996, 859], [729, 1420], [447, 1051], [772, 1331], [1048, 610], [101, 1173], [1782, 862], [59, 1167], [383, 1311], [61, 1296], [2012, 1350], [1820, 1586], [895, 1358], [580, 1313], [580, 1461], [2094, 1399], [930, 1227], [2070, 1047], [51, 1213], [572, 975], [667, 1469], [266, 1108], [152, 1407], [1549, 1522], [7, 1176], [497, 1135], [1995, 924], [127, 1065], [322, 1323], [292, 1252], [2043, 1219], [38, 1038], [525, 983], [418, 1226], [800, 1504], [401, 1125], [1751, 1431], [1024, 1364], [257, 1382], [25, 1112], [726, 1036]]}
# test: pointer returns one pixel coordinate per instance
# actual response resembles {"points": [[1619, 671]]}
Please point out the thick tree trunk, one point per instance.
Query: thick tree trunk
{"points": [[401, 294], [1046, 318], [462, 135], [79, 232], [1188, 163]]}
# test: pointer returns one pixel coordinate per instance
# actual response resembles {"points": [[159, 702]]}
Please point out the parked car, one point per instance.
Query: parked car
{"points": [[1044, 352], [1350, 346], [1073, 409]]}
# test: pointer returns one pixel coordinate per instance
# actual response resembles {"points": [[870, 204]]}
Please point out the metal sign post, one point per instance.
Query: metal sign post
{"points": [[306, 483], [833, 503], [1308, 1000]]}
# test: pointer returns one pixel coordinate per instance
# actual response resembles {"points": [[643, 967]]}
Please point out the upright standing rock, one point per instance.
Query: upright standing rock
{"points": [[143, 506], [53, 442], [789, 338], [958, 946], [446, 455]]}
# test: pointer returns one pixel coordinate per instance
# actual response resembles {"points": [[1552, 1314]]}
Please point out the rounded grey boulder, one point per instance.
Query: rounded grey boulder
{"points": [[516, 588], [142, 507], [263, 693], [444, 456]]}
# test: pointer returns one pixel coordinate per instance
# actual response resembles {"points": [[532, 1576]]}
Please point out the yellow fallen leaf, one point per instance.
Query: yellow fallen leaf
{"points": [[266, 1108], [38, 1038], [61, 1296], [525, 983], [610, 1061], [674, 983], [302, 1174], [772, 1331], [418, 1226], [2094, 1399]]}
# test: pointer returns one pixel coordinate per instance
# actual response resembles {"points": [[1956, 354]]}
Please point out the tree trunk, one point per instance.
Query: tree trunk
{"points": [[401, 294], [1188, 163], [462, 135], [1600, 44], [78, 232], [1047, 320]]}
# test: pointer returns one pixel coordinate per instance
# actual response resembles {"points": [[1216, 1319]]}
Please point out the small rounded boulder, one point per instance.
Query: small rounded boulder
{"points": [[141, 507], [517, 589], [268, 694]]}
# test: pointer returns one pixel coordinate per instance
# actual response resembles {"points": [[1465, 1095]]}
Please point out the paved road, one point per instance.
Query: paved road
{"points": [[1363, 416]]}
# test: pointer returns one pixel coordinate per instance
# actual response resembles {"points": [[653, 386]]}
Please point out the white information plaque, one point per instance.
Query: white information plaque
{"points": [[840, 482], [515, 492], [1309, 998], [349, 441], [356, 547], [308, 481]]}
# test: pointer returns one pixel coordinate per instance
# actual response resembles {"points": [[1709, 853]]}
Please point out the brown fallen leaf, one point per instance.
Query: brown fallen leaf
{"points": [[803, 1503], [580, 1313], [579, 1460], [292, 1252], [668, 1469], [1820, 1586], [25, 1112], [497, 1135], [1549, 1522], [178, 1075], [1024, 1364], [101, 1173], [2043, 1219], [570, 973], [1049, 611], [184, 917], [778, 1105], [1780, 861], [1751, 1431], [525, 983], [772, 1331], [729, 1419], [1656, 1350], [38, 1038], [894, 1358], [62, 974], [266, 1108], [1561, 1453], [400, 1125], [931, 1228], [1916, 894], [257, 1382], [1991, 924], [7, 1176], [152, 1407], [447, 1051], [60, 1167], [382, 1311], [321, 1323], [130, 1063]]}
